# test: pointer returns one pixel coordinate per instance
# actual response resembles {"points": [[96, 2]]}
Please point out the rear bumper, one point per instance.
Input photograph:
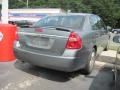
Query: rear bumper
{"points": [[67, 64]]}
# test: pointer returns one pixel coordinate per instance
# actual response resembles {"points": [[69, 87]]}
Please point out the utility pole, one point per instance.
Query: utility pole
{"points": [[4, 11]]}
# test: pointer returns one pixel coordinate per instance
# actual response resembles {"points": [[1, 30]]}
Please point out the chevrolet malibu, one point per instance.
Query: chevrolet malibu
{"points": [[65, 42]]}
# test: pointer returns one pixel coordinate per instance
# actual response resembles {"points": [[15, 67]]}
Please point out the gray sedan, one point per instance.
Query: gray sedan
{"points": [[66, 42]]}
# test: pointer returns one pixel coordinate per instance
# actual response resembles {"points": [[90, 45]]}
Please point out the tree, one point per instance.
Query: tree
{"points": [[109, 10], [16, 4]]}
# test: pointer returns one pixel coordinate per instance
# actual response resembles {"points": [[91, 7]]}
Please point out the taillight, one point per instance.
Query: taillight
{"points": [[74, 41]]}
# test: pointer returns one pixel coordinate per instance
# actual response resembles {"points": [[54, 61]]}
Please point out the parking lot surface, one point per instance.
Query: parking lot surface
{"points": [[23, 76]]}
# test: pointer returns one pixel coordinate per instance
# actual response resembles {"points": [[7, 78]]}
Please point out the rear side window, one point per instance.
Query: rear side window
{"points": [[101, 24], [97, 23], [93, 22], [73, 21]]}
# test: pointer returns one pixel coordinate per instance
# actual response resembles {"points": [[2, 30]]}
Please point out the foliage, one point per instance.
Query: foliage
{"points": [[109, 10]]}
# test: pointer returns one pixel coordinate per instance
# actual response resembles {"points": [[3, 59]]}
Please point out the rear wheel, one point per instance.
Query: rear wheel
{"points": [[90, 64]]}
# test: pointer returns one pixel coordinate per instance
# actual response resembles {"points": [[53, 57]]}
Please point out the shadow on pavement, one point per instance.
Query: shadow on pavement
{"points": [[103, 80], [42, 72], [118, 80], [100, 79]]}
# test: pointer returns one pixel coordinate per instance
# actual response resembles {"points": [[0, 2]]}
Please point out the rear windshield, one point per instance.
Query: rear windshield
{"points": [[73, 22]]}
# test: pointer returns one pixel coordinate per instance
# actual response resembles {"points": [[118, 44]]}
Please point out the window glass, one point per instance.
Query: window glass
{"points": [[93, 22], [73, 21], [97, 23], [52, 21], [101, 25]]}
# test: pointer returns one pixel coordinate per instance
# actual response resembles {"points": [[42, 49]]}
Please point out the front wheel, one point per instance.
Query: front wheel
{"points": [[90, 64]]}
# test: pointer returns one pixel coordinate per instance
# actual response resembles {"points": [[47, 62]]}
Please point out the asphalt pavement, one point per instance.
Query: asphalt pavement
{"points": [[24, 76]]}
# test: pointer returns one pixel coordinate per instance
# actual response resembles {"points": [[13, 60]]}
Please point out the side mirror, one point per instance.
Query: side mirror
{"points": [[109, 28], [116, 39]]}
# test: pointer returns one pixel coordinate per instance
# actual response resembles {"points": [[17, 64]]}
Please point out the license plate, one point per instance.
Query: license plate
{"points": [[39, 42]]}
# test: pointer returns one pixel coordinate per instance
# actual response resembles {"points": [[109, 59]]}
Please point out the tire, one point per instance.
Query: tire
{"points": [[90, 64]]}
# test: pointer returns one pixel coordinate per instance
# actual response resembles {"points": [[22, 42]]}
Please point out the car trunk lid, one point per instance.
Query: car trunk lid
{"points": [[50, 40]]}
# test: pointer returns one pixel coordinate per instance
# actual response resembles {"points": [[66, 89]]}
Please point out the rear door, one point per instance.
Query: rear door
{"points": [[97, 33], [103, 32]]}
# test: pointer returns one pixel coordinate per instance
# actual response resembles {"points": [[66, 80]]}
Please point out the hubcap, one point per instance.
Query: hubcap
{"points": [[92, 61]]}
